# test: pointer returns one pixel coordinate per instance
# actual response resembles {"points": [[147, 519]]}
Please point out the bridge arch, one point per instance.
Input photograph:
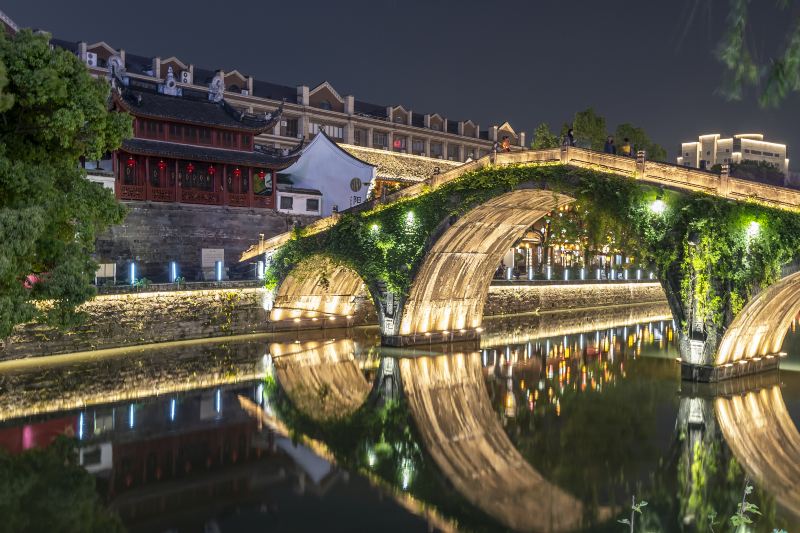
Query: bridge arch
{"points": [[320, 289], [759, 329], [450, 288]]}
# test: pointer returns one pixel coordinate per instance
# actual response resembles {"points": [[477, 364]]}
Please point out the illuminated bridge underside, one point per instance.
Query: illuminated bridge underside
{"points": [[450, 290], [447, 398], [318, 288], [322, 379], [762, 436], [759, 329]]}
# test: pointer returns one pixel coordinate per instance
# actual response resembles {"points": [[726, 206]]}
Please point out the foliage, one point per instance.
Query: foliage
{"points": [[544, 138], [47, 490], [745, 509], [640, 141], [636, 508], [727, 266], [779, 77], [52, 112], [590, 129]]}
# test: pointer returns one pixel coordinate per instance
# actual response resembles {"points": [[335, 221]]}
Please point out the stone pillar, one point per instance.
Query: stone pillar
{"points": [[641, 158], [349, 132], [427, 145], [522, 139], [461, 152], [370, 131], [389, 140], [350, 104], [302, 95], [427, 121], [724, 181], [444, 150], [493, 133]]}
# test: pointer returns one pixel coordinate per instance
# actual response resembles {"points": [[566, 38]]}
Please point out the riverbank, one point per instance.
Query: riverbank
{"points": [[162, 315]]}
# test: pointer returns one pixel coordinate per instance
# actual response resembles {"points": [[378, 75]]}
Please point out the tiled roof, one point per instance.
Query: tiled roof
{"points": [[399, 167], [196, 109], [212, 155], [298, 190]]}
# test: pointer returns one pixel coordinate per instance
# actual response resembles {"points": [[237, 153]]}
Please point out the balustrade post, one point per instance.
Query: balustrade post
{"points": [[641, 159], [177, 183], [564, 154], [148, 195], [250, 186], [723, 186]]}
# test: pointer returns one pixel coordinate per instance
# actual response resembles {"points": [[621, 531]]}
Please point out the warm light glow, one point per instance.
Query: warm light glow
{"points": [[658, 206]]}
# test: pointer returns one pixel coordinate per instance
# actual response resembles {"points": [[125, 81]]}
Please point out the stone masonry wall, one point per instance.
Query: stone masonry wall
{"points": [[523, 298], [153, 234], [116, 320]]}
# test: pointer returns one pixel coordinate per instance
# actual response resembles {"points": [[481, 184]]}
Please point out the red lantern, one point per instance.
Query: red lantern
{"points": [[131, 162], [261, 174], [211, 170], [190, 168], [237, 173], [162, 165]]}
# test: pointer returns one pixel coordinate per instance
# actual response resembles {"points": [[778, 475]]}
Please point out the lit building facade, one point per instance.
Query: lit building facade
{"points": [[712, 149], [309, 110]]}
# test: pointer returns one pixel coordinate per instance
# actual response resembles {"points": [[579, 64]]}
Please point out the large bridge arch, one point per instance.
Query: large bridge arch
{"points": [[450, 289], [321, 290], [759, 329]]}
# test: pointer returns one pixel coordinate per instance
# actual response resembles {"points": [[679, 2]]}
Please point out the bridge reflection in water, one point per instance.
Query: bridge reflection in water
{"points": [[757, 427]]}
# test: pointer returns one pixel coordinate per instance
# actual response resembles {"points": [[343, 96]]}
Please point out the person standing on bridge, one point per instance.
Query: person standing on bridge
{"points": [[610, 148], [626, 149], [506, 144], [569, 138]]}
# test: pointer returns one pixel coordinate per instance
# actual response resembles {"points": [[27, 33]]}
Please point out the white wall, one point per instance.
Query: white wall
{"points": [[329, 169], [298, 203]]}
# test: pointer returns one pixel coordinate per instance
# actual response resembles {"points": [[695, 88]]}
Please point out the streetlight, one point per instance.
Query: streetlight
{"points": [[658, 206], [753, 229]]}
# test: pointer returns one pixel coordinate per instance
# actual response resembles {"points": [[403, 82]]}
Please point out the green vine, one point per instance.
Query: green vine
{"points": [[727, 264]]}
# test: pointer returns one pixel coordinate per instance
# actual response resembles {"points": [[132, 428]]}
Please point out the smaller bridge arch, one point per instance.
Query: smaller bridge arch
{"points": [[321, 289]]}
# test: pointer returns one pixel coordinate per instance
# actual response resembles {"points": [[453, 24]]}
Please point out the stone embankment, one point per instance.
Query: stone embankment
{"points": [[171, 313]]}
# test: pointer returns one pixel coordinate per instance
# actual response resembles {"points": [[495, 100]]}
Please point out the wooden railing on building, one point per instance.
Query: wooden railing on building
{"points": [[664, 174]]}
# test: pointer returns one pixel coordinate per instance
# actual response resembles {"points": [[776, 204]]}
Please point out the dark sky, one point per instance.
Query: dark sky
{"points": [[524, 61]]}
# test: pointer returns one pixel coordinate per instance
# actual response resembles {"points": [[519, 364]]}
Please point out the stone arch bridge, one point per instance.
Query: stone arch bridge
{"points": [[449, 287]]}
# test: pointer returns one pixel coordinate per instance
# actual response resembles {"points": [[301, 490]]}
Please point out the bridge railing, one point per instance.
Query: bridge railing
{"points": [[665, 174]]}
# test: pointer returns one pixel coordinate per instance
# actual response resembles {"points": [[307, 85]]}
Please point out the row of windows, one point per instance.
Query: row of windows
{"points": [[759, 152], [184, 133], [312, 204], [336, 132]]}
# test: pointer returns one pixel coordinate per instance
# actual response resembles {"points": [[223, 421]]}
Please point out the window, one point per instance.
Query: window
{"points": [[355, 184], [325, 104], [380, 139], [399, 144], [245, 141], [418, 146], [226, 138], [287, 202], [452, 152], [708, 152], [289, 127], [153, 129], [175, 132], [312, 205], [335, 132], [190, 134], [436, 149], [686, 154]]}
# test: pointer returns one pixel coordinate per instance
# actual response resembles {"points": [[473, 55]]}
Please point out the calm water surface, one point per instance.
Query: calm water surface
{"points": [[553, 423]]}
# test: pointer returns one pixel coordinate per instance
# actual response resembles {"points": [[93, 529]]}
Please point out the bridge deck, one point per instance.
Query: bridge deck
{"points": [[665, 174]]}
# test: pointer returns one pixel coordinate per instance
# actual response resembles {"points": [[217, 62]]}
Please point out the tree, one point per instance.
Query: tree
{"points": [[777, 78], [544, 138], [47, 490], [52, 112], [590, 129], [640, 141]]}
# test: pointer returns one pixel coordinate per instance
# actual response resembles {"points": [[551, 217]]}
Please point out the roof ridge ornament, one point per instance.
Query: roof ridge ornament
{"points": [[170, 87], [216, 89]]}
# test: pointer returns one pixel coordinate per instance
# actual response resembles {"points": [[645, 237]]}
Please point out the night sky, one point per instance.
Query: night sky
{"points": [[649, 63]]}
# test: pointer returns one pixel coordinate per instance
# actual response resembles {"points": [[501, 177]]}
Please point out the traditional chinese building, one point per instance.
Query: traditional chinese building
{"points": [[194, 148]]}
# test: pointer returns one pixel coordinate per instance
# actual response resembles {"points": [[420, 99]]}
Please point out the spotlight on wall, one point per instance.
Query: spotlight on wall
{"points": [[658, 206]]}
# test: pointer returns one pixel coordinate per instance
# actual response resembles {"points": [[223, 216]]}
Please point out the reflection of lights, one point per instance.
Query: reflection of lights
{"points": [[406, 473], [131, 420], [372, 458], [172, 403], [80, 427], [218, 401]]}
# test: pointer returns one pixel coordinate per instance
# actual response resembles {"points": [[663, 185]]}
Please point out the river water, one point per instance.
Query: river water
{"points": [[554, 422]]}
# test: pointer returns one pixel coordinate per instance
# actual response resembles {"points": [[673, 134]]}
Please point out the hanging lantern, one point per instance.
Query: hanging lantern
{"points": [[189, 168], [261, 173], [211, 170], [131, 162], [162, 165], [236, 172]]}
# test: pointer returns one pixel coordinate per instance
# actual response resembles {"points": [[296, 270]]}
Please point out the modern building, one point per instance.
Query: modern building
{"points": [[309, 110], [712, 149]]}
